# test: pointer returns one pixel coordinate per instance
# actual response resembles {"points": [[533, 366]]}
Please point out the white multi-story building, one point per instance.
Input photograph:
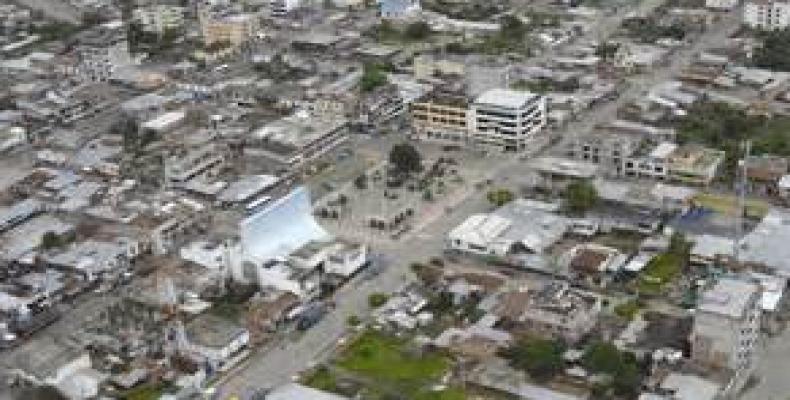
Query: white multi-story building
{"points": [[507, 119], [159, 18], [727, 326], [767, 14]]}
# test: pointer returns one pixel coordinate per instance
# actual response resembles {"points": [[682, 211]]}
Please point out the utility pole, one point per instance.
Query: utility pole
{"points": [[740, 209]]}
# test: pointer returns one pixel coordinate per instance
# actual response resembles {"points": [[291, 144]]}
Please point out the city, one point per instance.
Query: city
{"points": [[394, 199]]}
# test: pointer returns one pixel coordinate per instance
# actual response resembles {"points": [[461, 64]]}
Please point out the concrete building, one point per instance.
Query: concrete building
{"points": [[234, 29], [506, 118], [726, 328], [98, 63], [767, 14], [300, 138], [517, 227], [215, 340], [201, 161], [441, 117], [159, 18], [553, 310], [398, 9], [686, 164]]}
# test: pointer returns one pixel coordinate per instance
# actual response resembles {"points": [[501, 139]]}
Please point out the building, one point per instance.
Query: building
{"points": [[233, 29], [200, 161], [442, 117], [606, 149], [723, 5], [553, 310], [688, 164], [726, 327], [517, 227], [291, 391], [427, 67], [765, 246], [767, 14], [99, 63], [280, 8], [398, 9], [214, 340], [159, 18], [506, 118], [300, 138]]}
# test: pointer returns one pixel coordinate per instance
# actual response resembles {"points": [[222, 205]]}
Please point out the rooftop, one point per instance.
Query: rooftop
{"points": [[729, 297], [506, 98], [213, 331], [767, 243]]}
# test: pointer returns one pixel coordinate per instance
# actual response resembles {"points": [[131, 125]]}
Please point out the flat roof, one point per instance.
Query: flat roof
{"points": [[729, 297], [767, 243], [663, 150], [213, 331], [292, 391], [505, 98]]}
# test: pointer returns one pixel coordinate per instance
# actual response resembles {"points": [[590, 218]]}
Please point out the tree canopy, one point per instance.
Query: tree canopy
{"points": [[500, 197], [580, 196], [605, 358], [373, 76], [405, 158], [540, 358], [774, 53]]}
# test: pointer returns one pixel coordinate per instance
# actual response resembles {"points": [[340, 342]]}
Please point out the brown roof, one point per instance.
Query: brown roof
{"points": [[588, 260], [512, 304]]}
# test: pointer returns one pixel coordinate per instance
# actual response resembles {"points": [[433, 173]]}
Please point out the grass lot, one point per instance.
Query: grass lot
{"points": [[661, 270], [726, 204], [322, 379], [383, 365], [384, 358], [628, 309]]}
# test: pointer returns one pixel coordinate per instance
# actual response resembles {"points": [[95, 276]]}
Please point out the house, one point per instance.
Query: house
{"points": [[593, 259], [398, 9], [215, 341], [159, 18], [552, 309], [710, 250], [766, 245]]}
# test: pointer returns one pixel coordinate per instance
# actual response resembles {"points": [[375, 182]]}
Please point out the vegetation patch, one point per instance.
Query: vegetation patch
{"points": [[387, 360]]}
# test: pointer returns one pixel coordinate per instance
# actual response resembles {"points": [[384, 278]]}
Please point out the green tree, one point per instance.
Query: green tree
{"points": [[581, 196], [500, 197], [605, 358], [405, 158], [419, 30], [602, 358], [607, 50], [361, 182], [353, 321], [50, 240], [373, 76], [540, 358], [376, 300], [774, 54]]}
